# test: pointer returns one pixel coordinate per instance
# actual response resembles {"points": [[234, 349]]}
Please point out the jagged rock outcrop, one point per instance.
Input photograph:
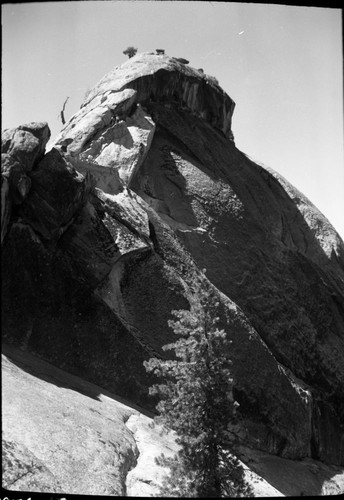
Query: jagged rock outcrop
{"points": [[143, 189], [21, 149], [51, 211]]}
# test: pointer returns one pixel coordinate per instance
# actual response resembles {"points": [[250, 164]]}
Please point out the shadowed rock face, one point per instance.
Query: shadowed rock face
{"points": [[21, 149], [164, 78], [145, 188]]}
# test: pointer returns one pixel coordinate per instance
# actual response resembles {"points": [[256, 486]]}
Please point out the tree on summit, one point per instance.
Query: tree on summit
{"points": [[196, 401], [130, 51]]}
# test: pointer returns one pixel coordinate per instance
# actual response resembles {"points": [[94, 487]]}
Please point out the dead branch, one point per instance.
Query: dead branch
{"points": [[62, 112]]}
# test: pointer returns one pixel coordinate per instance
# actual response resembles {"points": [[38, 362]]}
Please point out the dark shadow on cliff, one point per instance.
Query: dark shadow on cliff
{"points": [[166, 188], [43, 370], [259, 251], [265, 202]]}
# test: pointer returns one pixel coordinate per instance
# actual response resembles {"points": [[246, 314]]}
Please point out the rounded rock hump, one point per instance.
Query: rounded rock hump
{"points": [[111, 134], [164, 78], [144, 78]]}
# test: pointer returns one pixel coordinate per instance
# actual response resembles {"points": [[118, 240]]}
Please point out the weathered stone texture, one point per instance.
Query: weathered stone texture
{"points": [[143, 190], [70, 438]]}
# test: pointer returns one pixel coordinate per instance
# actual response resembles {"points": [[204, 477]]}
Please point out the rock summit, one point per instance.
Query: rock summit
{"points": [[144, 194]]}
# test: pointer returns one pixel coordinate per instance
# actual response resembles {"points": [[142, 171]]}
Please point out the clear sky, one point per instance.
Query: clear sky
{"points": [[282, 65]]}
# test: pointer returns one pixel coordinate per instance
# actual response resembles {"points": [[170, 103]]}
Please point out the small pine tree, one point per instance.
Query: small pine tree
{"points": [[196, 401], [130, 51]]}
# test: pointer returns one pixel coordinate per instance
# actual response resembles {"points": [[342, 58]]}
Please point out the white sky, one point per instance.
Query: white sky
{"points": [[282, 65]]}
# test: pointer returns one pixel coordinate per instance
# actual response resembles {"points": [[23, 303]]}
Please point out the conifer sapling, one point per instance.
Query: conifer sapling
{"points": [[196, 401]]}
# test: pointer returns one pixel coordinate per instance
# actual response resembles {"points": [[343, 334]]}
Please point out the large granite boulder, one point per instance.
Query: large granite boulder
{"points": [[23, 146], [58, 192], [21, 150], [143, 196]]}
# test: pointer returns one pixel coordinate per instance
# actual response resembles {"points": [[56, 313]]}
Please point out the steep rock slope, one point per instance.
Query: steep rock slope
{"points": [[262, 243], [64, 435], [60, 433], [143, 189]]}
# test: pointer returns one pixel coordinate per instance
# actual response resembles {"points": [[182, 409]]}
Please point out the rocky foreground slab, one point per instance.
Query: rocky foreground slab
{"points": [[64, 435]]}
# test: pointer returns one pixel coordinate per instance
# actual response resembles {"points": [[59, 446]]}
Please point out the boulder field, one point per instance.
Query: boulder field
{"points": [[143, 198]]}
